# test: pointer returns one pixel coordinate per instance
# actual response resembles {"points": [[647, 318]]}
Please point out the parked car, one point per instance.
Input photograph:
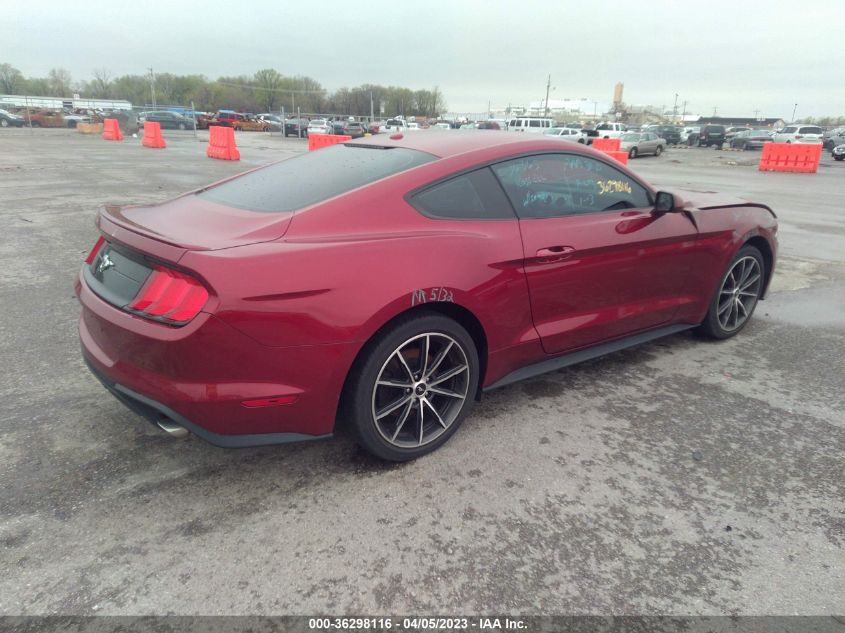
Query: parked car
{"points": [[250, 123], [536, 125], [46, 118], [7, 119], [798, 134], [274, 120], [320, 126], [730, 132], [351, 128], [687, 131], [834, 137], [708, 136], [395, 125], [568, 134], [751, 139], [168, 120], [225, 118], [241, 355], [469, 126], [443, 126], [671, 133], [610, 130], [73, 119], [838, 152], [297, 127], [640, 143], [830, 138], [488, 125]]}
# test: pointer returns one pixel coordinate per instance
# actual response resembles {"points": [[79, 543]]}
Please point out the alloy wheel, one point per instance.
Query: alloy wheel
{"points": [[739, 293], [420, 390]]}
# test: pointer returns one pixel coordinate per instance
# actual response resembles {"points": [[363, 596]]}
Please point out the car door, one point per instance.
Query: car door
{"points": [[649, 145], [600, 263]]}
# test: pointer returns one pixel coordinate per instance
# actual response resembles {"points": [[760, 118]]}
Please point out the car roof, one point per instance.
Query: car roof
{"points": [[446, 144]]}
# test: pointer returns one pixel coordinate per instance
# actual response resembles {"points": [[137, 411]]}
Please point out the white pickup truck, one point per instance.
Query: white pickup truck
{"points": [[610, 130], [395, 125]]}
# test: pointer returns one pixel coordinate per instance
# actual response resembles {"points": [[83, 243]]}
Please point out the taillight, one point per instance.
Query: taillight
{"points": [[797, 136], [97, 246], [169, 296]]}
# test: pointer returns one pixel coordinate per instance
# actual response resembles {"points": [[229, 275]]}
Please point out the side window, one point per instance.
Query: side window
{"points": [[534, 123], [554, 185], [473, 196]]}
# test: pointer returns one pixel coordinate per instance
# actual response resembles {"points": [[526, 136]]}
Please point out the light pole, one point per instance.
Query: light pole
{"points": [[793, 112], [675, 109], [153, 86], [548, 87]]}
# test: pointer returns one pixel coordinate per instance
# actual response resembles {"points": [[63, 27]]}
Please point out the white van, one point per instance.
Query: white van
{"points": [[527, 124]]}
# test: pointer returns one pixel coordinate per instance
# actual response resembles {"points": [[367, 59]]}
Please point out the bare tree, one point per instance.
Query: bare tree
{"points": [[11, 79], [102, 82], [60, 81]]}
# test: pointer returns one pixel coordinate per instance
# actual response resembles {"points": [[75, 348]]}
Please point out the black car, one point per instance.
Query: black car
{"points": [[709, 135], [296, 127], [168, 120], [7, 119], [838, 152], [671, 133], [751, 139]]}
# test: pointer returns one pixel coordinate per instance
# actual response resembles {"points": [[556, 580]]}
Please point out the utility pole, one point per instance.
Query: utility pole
{"points": [[548, 87], [715, 109], [793, 112], [675, 110], [372, 115], [756, 113], [685, 110], [153, 86]]}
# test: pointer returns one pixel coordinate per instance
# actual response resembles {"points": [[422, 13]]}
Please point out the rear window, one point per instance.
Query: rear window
{"points": [[313, 177], [789, 130], [810, 130], [718, 129]]}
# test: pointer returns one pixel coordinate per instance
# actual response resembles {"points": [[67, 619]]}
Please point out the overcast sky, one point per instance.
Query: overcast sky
{"points": [[737, 56]]}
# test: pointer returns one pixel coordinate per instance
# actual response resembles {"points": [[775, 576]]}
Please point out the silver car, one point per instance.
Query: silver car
{"points": [[639, 143]]}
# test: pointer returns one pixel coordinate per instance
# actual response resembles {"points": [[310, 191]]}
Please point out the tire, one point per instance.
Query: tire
{"points": [[659, 150], [839, 158], [4, 123], [396, 357], [632, 153], [747, 271]]}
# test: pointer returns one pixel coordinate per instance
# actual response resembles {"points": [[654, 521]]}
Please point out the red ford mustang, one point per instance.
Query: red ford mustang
{"points": [[388, 283]]}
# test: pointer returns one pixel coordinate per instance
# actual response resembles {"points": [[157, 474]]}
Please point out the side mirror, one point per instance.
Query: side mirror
{"points": [[664, 202]]}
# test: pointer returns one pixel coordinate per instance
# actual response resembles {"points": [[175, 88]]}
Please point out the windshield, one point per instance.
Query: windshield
{"points": [[313, 177]]}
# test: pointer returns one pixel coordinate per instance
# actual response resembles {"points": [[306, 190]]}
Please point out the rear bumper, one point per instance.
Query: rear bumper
{"points": [[200, 375], [156, 412]]}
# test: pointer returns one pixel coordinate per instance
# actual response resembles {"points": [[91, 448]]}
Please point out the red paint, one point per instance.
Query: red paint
{"points": [[292, 298]]}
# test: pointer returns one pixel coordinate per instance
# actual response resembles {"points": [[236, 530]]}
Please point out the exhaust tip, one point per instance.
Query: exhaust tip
{"points": [[173, 429]]}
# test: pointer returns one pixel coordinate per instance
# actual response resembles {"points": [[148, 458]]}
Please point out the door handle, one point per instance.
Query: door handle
{"points": [[555, 253]]}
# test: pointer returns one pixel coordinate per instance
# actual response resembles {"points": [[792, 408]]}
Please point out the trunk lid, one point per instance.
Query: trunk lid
{"points": [[191, 222]]}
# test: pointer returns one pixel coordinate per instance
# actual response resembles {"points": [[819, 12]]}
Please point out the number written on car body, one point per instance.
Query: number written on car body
{"points": [[428, 295]]}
